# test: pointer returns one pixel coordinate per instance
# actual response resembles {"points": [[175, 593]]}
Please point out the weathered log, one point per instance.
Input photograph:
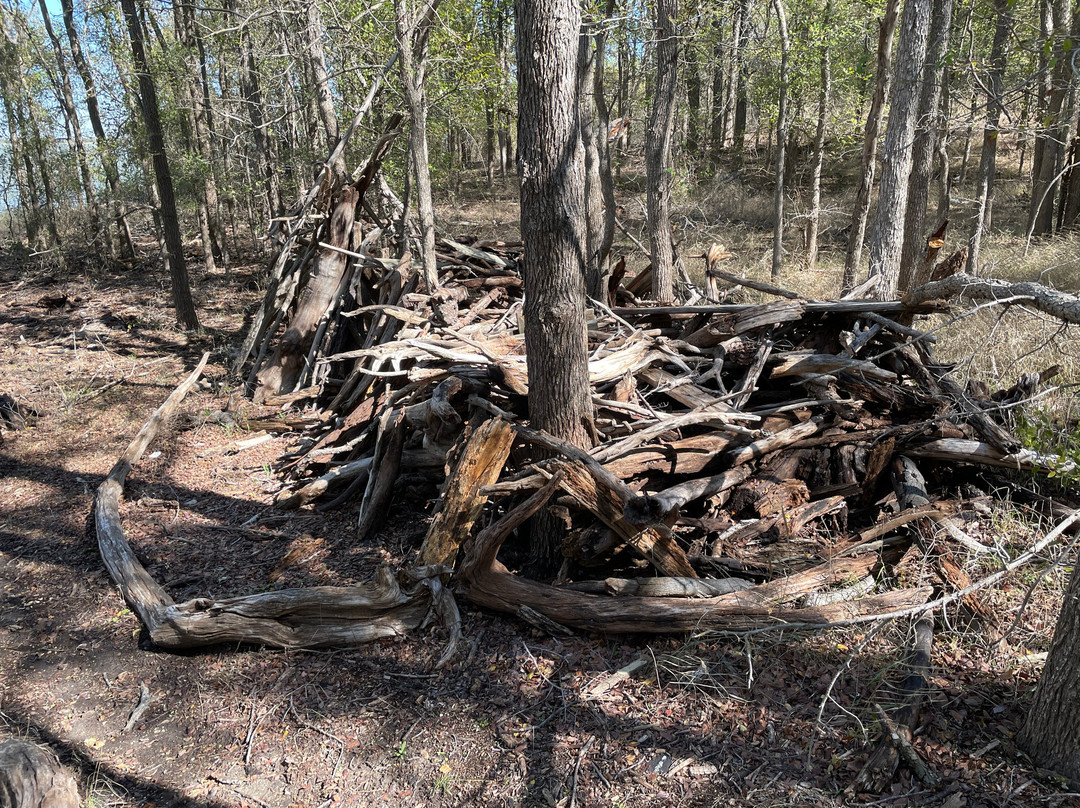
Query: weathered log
{"points": [[1063, 306], [973, 451], [296, 618], [653, 542], [674, 587], [282, 371], [31, 777], [386, 464], [480, 464]]}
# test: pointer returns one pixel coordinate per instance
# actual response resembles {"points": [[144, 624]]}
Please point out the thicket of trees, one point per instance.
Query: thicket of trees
{"points": [[222, 117]]}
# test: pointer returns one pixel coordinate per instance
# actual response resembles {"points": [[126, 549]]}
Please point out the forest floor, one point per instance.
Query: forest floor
{"points": [[707, 720]]}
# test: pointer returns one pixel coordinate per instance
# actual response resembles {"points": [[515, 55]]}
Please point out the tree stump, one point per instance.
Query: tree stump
{"points": [[32, 777]]}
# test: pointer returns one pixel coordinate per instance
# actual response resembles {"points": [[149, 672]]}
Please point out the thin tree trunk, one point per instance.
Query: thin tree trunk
{"points": [[1049, 138], [988, 162], [944, 164], [857, 232], [824, 94], [741, 75], [413, 31], [67, 101], [658, 152], [781, 141], [603, 154], [693, 103], [108, 160], [595, 263], [925, 147], [173, 244], [314, 34], [719, 88]]}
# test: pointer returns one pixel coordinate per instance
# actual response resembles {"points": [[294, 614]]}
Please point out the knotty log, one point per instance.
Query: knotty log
{"points": [[31, 777], [1064, 306], [480, 464]]}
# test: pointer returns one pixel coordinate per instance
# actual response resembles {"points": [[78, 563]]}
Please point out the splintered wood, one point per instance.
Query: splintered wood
{"points": [[743, 456]]}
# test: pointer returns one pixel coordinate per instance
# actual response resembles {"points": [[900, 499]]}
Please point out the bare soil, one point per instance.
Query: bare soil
{"points": [[707, 720]]}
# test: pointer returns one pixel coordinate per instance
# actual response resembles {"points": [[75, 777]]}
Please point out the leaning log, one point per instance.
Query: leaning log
{"points": [[1064, 306]]}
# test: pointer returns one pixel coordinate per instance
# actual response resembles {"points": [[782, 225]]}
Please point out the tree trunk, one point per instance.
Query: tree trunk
{"points": [[944, 164], [108, 159], [896, 155], [719, 89], [869, 152], [742, 40], [603, 158], [315, 33], [658, 152], [781, 142], [67, 101], [925, 147], [598, 188], [253, 101], [553, 232], [1051, 733], [824, 93], [20, 161], [173, 251], [693, 103], [988, 162], [1050, 138], [413, 30]]}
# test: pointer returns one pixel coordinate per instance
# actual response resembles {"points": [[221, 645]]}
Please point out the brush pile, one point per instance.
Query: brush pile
{"points": [[751, 463]]}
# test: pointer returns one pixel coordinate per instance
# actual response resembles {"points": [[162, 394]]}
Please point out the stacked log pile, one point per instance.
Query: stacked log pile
{"points": [[752, 458]]}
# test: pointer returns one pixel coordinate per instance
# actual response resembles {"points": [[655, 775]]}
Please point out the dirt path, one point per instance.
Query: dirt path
{"points": [[704, 721]]}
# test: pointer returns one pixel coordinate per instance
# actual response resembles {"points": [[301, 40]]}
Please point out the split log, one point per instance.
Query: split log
{"points": [[675, 587], [386, 464], [31, 777], [480, 465], [281, 373]]}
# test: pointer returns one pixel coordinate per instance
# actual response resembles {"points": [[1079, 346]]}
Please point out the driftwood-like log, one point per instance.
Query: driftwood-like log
{"points": [[31, 777], [292, 618], [484, 581], [972, 451], [675, 587], [480, 465]]}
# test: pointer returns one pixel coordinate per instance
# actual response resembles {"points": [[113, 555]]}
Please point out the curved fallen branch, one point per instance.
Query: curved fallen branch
{"points": [[290, 618]]}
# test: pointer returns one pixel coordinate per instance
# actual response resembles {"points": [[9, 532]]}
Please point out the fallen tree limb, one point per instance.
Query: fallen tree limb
{"points": [[1057, 304], [291, 618]]}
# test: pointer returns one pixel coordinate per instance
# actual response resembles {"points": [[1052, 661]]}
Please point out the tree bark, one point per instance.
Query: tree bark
{"points": [[781, 142], [658, 152], [314, 33], [896, 154], [857, 232], [594, 140], [173, 248], [824, 93], [413, 30], [1051, 733], [1050, 140], [108, 159], [553, 231], [924, 148], [988, 161]]}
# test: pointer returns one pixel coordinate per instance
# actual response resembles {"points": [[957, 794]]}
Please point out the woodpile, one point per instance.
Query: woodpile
{"points": [[749, 460]]}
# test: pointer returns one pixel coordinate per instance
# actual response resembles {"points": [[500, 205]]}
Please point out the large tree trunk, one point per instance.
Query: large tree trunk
{"points": [[781, 142], [658, 152], [924, 148], [553, 232], [1051, 733], [896, 155], [173, 251], [988, 161], [413, 30], [824, 93], [857, 231], [108, 159]]}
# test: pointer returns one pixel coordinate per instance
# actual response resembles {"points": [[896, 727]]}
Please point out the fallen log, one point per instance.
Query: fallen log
{"points": [[31, 777], [1063, 306]]}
